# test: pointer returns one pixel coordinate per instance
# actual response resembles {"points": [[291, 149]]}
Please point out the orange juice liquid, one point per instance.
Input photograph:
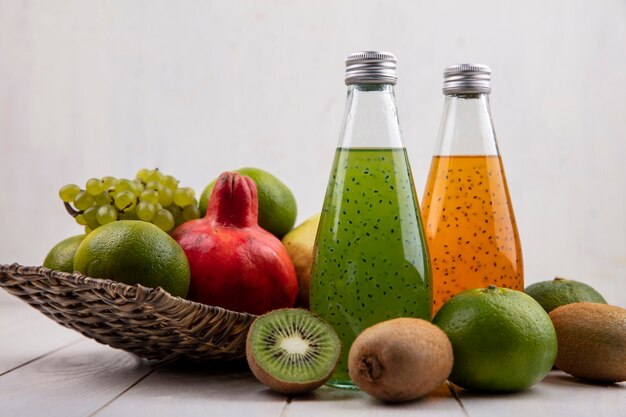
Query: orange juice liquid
{"points": [[470, 227]]}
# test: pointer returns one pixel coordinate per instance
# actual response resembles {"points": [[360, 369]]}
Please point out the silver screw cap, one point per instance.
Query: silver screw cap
{"points": [[467, 79], [371, 67]]}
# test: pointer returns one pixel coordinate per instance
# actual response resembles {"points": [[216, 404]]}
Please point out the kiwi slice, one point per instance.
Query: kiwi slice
{"points": [[292, 351]]}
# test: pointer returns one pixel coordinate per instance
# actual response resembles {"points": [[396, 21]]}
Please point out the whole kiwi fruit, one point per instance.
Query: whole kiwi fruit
{"points": [[400, 359], [591, 341]]}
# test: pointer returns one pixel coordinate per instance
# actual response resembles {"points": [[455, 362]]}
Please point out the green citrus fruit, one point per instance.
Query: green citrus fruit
{"points": [[561, 291], [61, 256], [277, 205], [134, 252], [502, 339]]}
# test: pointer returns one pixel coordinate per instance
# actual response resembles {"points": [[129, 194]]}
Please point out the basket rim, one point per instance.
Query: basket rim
{"points": [[119, 288]]}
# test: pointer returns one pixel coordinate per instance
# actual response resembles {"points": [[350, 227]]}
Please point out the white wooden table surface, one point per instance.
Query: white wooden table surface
{"points": [[47, 370]]}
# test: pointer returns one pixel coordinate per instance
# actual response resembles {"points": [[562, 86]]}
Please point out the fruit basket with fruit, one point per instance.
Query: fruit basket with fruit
{"points": [[152, 278]]}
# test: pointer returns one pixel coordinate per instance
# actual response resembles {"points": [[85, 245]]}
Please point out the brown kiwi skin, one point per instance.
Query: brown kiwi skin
{"points": [[591, 341], [400, 359], [283, 387]]}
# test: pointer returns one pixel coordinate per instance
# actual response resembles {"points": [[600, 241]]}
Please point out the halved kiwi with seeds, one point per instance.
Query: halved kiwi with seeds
{"points": [[292, 351]]}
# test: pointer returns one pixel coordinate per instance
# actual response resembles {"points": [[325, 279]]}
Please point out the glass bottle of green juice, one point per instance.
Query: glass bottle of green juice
{"points": [[370, 257]]}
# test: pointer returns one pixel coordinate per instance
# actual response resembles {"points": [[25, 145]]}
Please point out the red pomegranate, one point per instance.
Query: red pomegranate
{"points": [[235, 264]]}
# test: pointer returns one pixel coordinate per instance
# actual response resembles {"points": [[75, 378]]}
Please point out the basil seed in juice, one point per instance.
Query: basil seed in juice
{"points": [[370, 260]]}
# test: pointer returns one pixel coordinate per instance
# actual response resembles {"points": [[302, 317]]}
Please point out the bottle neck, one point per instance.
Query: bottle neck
{"points": [[371, 118], [466, 126]]}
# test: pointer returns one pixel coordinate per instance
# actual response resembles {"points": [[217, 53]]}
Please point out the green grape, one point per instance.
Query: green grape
{"points": [[90, 217], [106, 214], [177, 212], [174, 209], [149, 175], [155, 175], [145, 211], [108, 182], [137, 187], [125, 200], [88, 230], [69, 192], [170, 182], [154, 185], [83, 200], [80, 219], [149, 196], [94, 186], [142, 174], [103, 199], [152, 197], [183, 197], [128, 215], [191, 212], [164, 220], [123, 185], [165, 196]]}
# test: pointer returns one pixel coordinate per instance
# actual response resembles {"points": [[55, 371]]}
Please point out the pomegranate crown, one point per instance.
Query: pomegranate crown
{"points": [[234, 201]]}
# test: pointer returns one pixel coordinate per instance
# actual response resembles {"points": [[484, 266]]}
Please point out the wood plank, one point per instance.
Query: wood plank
{"points": [[26, 334], [331, 402], [208, 390], [224, 392], [72, 382], [557, 395], [86, 378]]}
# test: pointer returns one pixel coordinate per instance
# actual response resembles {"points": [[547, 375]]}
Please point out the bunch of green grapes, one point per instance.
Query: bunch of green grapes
{"points": [[150, 197]]}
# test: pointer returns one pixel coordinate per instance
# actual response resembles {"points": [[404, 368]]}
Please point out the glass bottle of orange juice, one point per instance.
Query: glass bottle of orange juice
{"points": [[467, 213]]}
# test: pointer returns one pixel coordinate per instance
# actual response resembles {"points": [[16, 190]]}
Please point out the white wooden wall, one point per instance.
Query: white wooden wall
{"points": [[92, 88]]}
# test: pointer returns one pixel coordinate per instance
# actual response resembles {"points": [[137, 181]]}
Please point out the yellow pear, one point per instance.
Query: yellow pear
{"points": [[299, 243]]}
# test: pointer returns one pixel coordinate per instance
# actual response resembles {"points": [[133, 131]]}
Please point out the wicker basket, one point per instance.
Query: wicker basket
{"points": [[148, 322]]}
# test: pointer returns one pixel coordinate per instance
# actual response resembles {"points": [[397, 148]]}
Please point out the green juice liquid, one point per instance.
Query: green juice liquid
{"points": [[370, 259]]}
